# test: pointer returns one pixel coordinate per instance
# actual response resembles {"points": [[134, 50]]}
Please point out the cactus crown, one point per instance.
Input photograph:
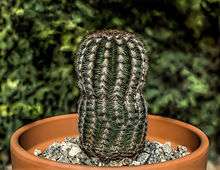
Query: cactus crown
{"points": [[111, 68]]}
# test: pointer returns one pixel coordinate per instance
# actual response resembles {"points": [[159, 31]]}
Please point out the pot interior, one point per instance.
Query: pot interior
{"points": [[42, 133]]}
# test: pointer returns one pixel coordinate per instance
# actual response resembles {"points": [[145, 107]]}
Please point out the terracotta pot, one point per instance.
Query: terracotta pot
{"points": [[42, 133]]}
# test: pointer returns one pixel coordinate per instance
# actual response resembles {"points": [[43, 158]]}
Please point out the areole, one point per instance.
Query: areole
{"points": [[41, 133]]}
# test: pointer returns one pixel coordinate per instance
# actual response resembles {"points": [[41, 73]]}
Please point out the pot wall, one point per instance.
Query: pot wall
{"points": [[42, 133]]}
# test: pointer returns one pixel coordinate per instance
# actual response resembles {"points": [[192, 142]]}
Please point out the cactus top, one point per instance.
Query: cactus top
{"points": [[111, 67], [116, 35], [111, 34]]}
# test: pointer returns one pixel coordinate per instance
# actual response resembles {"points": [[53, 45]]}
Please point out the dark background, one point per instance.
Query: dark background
{"points": [[38, 41]]}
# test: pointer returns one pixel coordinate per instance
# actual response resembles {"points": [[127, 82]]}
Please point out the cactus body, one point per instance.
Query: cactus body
{"points": [[111, 68]]}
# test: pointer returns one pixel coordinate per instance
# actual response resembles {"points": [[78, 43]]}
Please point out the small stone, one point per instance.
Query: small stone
{"points": [[181, 149], [94, 161], [37, 152], [74, 160], [115, 163], [74, 150], [86, 162], [53, 159], [168, 151], [63, 159], [127, 161], [69, 139], [167, 147], [101, 164], [163, 160], [136, 163], [143, 157]]}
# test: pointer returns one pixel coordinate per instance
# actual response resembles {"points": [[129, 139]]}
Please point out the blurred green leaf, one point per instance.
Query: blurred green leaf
{"points": [[85, 8], [39, 40]]}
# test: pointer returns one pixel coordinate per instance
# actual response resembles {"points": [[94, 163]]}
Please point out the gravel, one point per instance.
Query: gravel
{"points": [[68, 151]]}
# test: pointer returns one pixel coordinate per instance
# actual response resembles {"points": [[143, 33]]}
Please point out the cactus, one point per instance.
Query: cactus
{"points": [[111, 69]]}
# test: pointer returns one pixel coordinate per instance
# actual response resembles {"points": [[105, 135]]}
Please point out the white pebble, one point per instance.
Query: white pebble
{"points": [[37, 152], [136, 163], [74, 150]]}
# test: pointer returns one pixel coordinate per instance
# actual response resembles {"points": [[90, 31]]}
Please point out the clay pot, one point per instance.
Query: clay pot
{"points": [[42, 133]]}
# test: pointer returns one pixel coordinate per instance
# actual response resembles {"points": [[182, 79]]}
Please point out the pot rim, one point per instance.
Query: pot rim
{"points": [[16, 147]]}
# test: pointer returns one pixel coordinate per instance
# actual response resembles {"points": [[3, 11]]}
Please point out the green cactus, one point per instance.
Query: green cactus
{"points": [[111, 68]]}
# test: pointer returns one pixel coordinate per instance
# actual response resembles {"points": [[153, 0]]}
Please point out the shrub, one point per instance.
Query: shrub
{"points": [[38, 39]]}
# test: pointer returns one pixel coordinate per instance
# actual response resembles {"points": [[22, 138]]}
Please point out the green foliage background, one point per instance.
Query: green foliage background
{"points": [[38, 40]]}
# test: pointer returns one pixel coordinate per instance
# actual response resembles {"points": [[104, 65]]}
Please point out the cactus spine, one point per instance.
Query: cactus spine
{"points": [[111, 68]]}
